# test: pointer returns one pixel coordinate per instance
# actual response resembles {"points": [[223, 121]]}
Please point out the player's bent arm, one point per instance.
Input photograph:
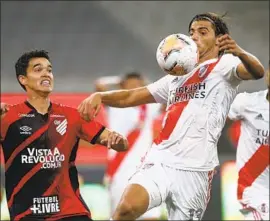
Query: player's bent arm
{"points": [[127, 98], [250, 68], [112, 140]]}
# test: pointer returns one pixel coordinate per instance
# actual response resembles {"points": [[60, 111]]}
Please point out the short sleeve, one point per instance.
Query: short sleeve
{"points": [[238, 107], [160, 89], [90, 131], [229, 64]]}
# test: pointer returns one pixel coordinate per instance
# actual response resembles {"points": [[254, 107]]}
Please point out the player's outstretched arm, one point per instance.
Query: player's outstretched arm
{"points": [[113, 140], [90, 107], [251, 67]]}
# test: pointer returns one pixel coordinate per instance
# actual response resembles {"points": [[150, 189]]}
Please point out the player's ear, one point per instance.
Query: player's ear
{"points": [[217, 37], [22, 79]]}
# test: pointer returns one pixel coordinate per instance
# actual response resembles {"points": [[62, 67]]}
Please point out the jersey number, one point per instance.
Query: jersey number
{"points": [[195, 214]]}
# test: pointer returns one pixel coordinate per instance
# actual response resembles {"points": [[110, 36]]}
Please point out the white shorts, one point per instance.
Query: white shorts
{"points": [[185, 193], [116, 190], [260, 213]]}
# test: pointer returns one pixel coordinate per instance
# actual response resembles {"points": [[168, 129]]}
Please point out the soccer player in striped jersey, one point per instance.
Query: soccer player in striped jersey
{"points": [[252, 109], [40, 140]]}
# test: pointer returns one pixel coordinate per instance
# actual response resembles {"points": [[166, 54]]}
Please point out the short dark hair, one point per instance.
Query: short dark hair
{"points": [[220, 26], [132, 74], [23, 62]]}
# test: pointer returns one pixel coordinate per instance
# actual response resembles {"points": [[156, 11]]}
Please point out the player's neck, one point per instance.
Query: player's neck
{"points": [[212, 54], [40, 103]]}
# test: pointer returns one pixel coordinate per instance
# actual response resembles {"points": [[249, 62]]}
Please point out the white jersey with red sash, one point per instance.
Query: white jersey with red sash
{"points": [[197, 107], [252, 109]]}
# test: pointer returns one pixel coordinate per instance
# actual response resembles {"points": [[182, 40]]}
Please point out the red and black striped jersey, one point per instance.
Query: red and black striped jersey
{"points": [[40, 151]]}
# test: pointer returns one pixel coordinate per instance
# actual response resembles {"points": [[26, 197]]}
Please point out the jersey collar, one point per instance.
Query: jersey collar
{"points": [[30, 106]]}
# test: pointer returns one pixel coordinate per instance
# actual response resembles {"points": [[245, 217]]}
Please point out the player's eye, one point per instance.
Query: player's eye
{"points": [[38, 69]]}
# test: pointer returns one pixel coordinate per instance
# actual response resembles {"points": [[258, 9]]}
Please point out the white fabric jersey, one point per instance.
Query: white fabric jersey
{"points": [[185, 193], [253, 147], [123, 121], [197, 108]]}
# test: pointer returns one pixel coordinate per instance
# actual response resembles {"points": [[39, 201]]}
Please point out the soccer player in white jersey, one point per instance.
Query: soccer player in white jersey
{"points": [[136, 124], [252, 109], [178, 168]]}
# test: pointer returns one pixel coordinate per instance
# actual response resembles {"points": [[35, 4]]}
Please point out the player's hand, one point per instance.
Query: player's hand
{"points": [[115, 141], [4, 108], [228, 45], [89, 108]]}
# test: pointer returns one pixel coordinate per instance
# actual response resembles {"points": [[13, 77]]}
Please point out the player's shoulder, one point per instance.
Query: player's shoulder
{"points": [[16, 108], [261, 93], [171, 79], [66, 110], [242, 97], [228, 58], [228, 61], [15, 112], [168, 78], [61, 106], [250, 97], [257, 96]]}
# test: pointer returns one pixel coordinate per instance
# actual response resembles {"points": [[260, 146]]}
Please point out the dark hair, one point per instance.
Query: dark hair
{"points": [[133, 74], [23, 62], [220, 26]]}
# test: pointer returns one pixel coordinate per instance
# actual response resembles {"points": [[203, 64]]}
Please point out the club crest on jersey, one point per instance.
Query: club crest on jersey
{"points": [[61, 126], [203, 70]]}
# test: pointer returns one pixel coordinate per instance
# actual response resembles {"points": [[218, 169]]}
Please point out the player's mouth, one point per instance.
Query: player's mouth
{"points": [[46, 83]]}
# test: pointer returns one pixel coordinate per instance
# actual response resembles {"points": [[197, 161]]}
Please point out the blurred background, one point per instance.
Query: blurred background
{"points": [[87, 40]]}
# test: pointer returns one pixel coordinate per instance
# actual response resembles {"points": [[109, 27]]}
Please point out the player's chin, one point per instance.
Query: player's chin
{"points": [[47, 89]]}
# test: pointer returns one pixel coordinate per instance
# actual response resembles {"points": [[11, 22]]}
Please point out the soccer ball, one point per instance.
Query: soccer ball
{"points": [[177, 54]]}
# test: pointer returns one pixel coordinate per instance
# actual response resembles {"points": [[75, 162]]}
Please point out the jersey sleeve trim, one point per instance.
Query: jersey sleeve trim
{"points": [[235, 73], [94, 140]]}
